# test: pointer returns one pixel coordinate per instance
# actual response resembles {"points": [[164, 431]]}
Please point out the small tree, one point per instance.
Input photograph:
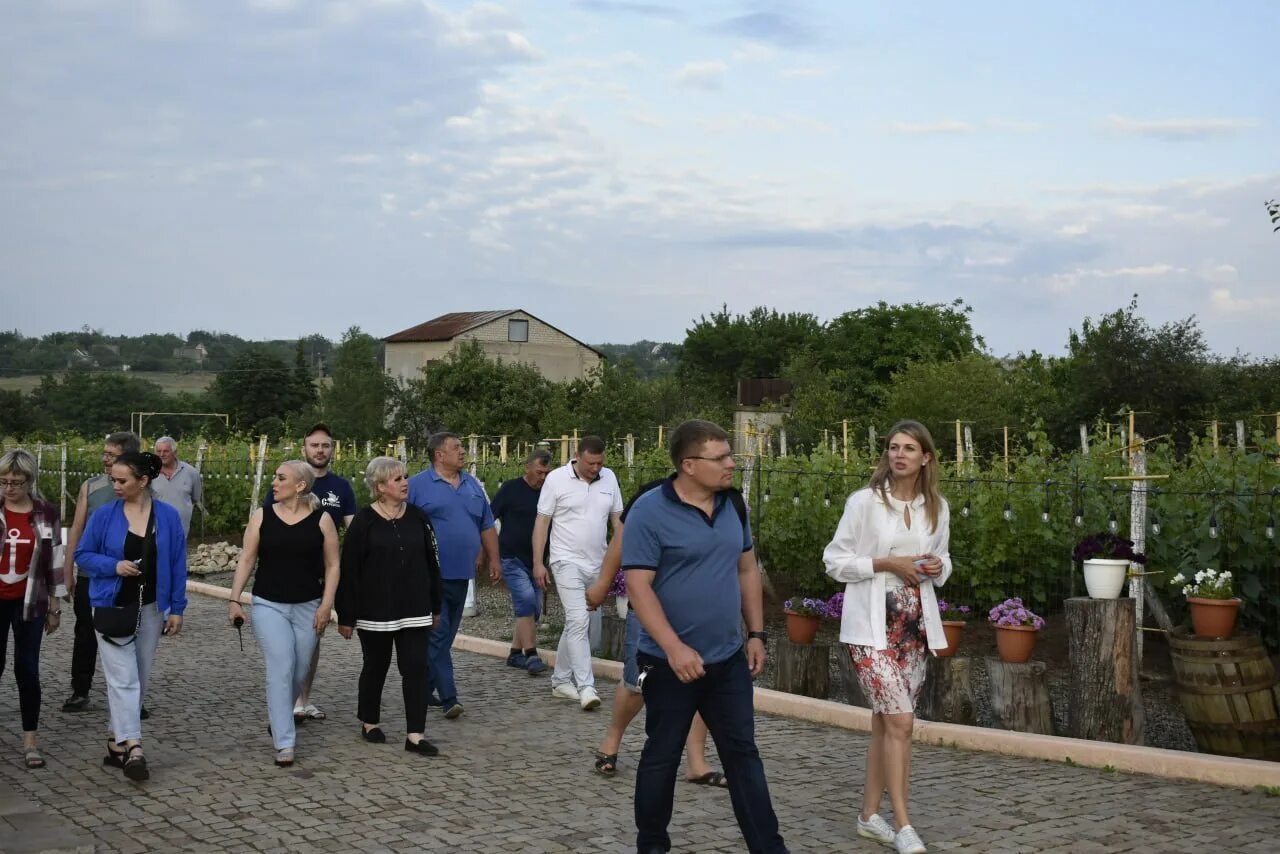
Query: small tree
{"points": [[355, 403]]}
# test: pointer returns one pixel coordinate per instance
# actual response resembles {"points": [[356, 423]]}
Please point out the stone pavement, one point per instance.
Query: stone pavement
{"points": [[515, 776]]}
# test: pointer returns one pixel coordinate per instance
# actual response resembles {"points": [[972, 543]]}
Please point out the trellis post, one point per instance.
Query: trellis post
{"points": [[844, 427], [1240, 440], [257, 472], [968, 446], [502, 449], [1084, 439], [782, 441], [959, 446], [629, 450], [62, 483]]}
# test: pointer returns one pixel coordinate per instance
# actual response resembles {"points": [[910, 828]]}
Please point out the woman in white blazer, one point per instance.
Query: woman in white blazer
{"points": [[891, 550]]}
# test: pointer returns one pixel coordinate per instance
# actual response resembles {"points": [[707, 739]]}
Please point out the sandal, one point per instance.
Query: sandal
{"points": [[714, 779], [310, 712], [284, 757], [32, 757], [135, 765], [114, 758], [606, 763]]}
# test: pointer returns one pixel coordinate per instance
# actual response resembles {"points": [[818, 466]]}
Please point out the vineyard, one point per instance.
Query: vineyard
{"points": [[1014, 520]]}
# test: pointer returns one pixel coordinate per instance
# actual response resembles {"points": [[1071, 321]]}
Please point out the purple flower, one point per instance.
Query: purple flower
{"points": [[1011, 612]]}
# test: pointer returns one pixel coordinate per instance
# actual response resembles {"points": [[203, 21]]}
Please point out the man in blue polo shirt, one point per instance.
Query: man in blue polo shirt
{"points": [[692, 578], [463, 521]]}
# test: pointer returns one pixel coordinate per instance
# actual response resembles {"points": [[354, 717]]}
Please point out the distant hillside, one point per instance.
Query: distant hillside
{"points": [[651, 358]]}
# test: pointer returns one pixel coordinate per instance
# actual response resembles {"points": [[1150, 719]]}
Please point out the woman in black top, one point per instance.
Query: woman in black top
{"points": [[390, 593], [295, 546]]}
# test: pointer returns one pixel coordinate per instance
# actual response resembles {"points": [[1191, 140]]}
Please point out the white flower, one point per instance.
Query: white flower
{"points": [[1210, 573], [1200, 577], [1178, 579], [1225, 576], [1186, 591]]}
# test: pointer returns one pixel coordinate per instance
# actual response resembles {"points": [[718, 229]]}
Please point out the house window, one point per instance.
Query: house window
{"points": [[518, 330]]}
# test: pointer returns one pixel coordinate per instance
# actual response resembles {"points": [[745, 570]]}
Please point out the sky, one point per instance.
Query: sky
{"points": [[274, 168]]}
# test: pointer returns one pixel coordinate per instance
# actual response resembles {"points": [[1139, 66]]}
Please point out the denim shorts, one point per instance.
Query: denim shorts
{"points": [[631, 670], [526, 598]]}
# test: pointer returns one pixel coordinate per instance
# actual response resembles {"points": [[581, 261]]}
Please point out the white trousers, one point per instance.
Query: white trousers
{"points": [[126, 670], [573, 655]]}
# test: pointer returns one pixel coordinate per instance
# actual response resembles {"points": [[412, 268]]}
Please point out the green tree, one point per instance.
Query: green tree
{"points": [[93, 403], [467, 392], [16, 416], [972, 388], [725, 348], [258, 385], [354, 404]]}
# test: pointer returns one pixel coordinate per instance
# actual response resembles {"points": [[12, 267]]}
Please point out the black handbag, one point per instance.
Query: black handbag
{"points": [[118, 624]]}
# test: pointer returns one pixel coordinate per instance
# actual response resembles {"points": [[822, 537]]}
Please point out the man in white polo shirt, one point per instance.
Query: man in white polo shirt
{"points": [[578, 502]]}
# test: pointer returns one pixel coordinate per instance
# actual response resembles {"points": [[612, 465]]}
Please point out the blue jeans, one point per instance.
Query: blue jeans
{"points": [[630, 642], [526, 598], [724, 699], [287, 634], [439, 657], [27, 635]]}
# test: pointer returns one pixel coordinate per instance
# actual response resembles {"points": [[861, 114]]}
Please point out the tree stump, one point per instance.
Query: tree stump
{"points": [[1020, 696], [853, 694], [1105, 699], [946, 695], [803, 668], [613, 635]]}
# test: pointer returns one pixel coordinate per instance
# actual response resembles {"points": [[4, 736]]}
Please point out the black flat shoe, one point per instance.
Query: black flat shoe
{"points": [[144, 715], [76, 703], [424, 747], [135, 765], [373, 736]]}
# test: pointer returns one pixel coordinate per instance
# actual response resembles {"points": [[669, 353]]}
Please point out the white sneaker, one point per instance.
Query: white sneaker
{"points": [[907, 841], [589, 699], [876, 828], [565, 691]]}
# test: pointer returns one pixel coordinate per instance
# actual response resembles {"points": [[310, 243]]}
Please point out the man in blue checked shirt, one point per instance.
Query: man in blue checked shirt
{"points": [[463, 521]]}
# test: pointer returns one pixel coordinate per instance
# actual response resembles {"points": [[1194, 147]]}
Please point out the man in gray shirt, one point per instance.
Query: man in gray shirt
{"points": [[179, 484]]}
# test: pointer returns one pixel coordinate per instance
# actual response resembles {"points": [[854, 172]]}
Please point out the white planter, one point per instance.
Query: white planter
{"points": [[621, 603], [1104, 577]]}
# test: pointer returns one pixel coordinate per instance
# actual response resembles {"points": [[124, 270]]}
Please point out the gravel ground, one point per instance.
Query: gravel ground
{"points": [[1165, 724]]}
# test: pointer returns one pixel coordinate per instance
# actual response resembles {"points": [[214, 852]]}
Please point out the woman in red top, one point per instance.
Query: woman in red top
{"points": [[28, 589]]}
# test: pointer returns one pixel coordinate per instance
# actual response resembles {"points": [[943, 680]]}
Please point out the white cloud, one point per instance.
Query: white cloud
{"points": [[1222, 301], [1179, 129], [701, 75], [755, 52], [1013, 126], [943, 128], [756, 123], [806, 72]]}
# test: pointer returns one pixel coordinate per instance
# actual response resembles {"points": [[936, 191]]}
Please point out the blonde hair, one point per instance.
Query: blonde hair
{"points": [[379, 471], [926, 480], [303, 472], [21, 462]]}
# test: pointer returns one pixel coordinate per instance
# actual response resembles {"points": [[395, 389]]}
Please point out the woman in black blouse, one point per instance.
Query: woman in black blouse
{"points": [[295, 545], [390, 592]]}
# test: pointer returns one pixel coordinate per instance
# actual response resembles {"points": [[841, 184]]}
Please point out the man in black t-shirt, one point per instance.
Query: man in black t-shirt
{"points": [[515, 506]]}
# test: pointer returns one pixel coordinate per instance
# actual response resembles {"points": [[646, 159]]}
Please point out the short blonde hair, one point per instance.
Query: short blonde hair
{"points": [[21, 462], [379, 471]]}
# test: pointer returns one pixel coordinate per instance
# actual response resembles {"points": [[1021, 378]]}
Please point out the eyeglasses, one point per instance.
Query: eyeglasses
{"points": [[13, 484], [720, 459]]}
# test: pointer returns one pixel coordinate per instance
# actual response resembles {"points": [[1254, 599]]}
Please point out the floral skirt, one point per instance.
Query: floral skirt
{"points": [[891, 678]]}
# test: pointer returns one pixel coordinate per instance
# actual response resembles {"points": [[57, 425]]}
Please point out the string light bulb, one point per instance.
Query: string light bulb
{"points": [[1079, 520], [1271, 527], [964, 511], [1155, 525], [1113, 523], [766, 496], [1008, 512], [1044, 517], [1213, 526], [795, 499], [826, 499]]}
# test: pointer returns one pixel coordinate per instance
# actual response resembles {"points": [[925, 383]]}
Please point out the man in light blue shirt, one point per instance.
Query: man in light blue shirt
{"points": [[463, 521]]}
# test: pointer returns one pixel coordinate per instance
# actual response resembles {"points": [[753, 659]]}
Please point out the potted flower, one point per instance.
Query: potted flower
{"points": [[835, 605], [803, 616], [1212, 601], [953, 619], [1016, 628], [1106, 558]]}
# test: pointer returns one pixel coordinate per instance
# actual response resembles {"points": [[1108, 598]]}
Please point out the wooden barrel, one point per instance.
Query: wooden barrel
{"points": [[1229, 694]]}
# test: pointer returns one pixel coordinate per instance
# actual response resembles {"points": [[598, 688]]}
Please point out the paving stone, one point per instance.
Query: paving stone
{"points": [[515, 776]]}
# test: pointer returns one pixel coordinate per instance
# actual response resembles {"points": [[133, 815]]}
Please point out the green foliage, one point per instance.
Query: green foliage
{"points": [[260, 391], [355, 403], [725, 348], [650, 359], [92, 403]]}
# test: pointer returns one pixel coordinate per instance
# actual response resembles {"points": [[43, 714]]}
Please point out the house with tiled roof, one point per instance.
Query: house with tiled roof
{"points": [[512, 335]]}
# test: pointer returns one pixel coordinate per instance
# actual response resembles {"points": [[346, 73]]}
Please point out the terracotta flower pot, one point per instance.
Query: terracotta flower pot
{"points": [[954, 630], [801, 628], [1015, 643], [1104, 577], [1213, 618]]}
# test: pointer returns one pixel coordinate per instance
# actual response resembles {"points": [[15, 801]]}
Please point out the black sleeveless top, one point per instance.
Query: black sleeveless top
{"points": [[290, 559], [141, 551]]}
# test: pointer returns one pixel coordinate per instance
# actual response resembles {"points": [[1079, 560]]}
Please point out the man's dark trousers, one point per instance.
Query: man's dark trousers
{"points": [[724, 699], [84, 652]]}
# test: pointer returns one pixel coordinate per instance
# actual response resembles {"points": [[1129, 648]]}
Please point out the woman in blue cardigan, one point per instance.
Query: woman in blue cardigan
{"points": [[134, 550]]}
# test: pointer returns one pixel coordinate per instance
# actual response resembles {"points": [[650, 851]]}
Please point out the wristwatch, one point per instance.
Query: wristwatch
{"points": [[763, 636]]}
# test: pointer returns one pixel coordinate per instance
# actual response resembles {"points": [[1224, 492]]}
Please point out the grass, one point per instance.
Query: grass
{"points": [[1270, 791], [169, 381]]}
